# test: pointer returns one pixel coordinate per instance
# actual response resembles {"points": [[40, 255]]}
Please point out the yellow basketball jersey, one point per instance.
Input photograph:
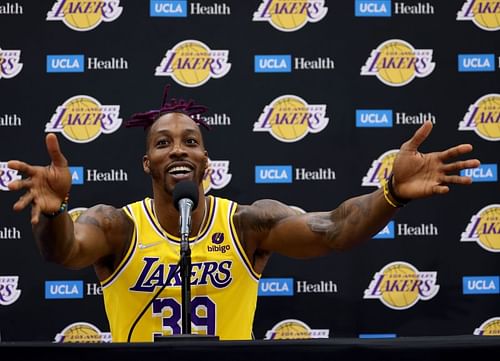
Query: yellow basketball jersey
{"points": [[223, 282]]}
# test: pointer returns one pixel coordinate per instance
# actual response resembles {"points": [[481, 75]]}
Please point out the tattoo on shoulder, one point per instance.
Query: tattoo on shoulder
{"points": [[84, 219], [268, 214]]}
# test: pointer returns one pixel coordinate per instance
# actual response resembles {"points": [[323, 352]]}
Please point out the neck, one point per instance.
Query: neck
{"points": [[168, 216]]}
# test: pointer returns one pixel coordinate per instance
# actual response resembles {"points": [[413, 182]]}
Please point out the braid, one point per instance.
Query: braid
{"points": [[188, 107]]}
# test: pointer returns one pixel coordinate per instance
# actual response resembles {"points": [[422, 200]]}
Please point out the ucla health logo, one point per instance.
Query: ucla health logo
{"points": [[387, 232], [399, 285], [81, 119], [380, 170], [273, 174], [381, 8], [191, 63], [476, 62], [484, 228], [483, 117], [273, 63], [483, 13], [217, 175], [289, 118], [290, 15], [65, 63], [76, 175], [490, 327], [484, 173], [396, 63], [9, 63], [373, 118], [7, 175], [63, 289], [82, 15], [168, 8], [480, 285], [275, 287]]}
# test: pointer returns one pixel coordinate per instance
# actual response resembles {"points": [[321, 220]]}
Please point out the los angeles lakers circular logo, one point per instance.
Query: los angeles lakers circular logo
{"points": [[483, 13], [191, 63], [483, 117], [294, 329], [81, 119], [82, 332], [399, 285], [84, 15], [380, 170], [289, 118], [290, 15], [396, 63], [490, 327], [484, 228]]}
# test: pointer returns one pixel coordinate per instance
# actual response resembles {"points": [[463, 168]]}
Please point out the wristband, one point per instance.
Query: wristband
{"points": [[390, 197], [63, 207]]}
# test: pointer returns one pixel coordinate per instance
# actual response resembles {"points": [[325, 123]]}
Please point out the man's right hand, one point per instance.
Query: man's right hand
{"points": [[46, 187]]}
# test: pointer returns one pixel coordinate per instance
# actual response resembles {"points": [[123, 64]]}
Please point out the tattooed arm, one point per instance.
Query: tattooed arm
{"points": [[99, 236], [268, 226], [271, 226]]}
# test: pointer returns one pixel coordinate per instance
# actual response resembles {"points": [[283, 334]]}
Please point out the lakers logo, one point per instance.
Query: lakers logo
{"points": [[294, 329], [82, 332], [484, 13], [9, 63], [76, 212], [84, 15], [399, 285], [396, 63], [490, 327], [290, 15], [289, 118], [81, 119], [217, 175], [380, 170], [483, 117], [484, 228], [7, 175], [191, 63]]}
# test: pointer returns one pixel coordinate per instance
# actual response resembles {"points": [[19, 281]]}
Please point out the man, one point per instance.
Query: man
{"points": [[135, 250]]}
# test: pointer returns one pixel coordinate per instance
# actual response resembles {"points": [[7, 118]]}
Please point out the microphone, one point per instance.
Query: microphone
{"points": [[185, 196]]}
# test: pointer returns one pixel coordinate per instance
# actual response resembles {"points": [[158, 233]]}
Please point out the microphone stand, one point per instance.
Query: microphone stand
{"points": [[185, 269]]}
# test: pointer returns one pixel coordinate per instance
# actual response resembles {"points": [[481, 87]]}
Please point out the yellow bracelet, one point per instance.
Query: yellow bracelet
{"points": [[390, 197]]}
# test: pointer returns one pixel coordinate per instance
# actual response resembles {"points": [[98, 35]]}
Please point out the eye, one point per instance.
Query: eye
{"points": [[161, 142], [192, 141]]}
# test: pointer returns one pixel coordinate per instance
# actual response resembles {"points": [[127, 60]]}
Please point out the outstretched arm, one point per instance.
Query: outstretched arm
{"points": [[99, 232], [271, 226]]}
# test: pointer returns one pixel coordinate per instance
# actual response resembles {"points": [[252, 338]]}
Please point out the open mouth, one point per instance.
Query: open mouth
{"points": [[180, 171]]}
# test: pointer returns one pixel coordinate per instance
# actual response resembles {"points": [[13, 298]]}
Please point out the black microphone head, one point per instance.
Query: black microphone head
{"points": [[185, 189]]}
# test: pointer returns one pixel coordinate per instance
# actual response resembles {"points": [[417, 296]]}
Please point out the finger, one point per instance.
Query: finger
{"points": [[456, 179], [464, 164], [455, 151], [35, 214], [440, 189], [20, 166], [20, 184], [55, 154], [23, 202], [418, 138]]}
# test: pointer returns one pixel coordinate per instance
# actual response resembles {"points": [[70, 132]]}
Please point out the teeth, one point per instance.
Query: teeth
{"points": [[180, 169]]}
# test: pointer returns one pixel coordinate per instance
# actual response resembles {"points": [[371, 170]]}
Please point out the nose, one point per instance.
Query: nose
{"points": [[178, 149]]}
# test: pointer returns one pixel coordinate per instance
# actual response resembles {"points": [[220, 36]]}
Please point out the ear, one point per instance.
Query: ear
{"points": [[145, 164]]}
